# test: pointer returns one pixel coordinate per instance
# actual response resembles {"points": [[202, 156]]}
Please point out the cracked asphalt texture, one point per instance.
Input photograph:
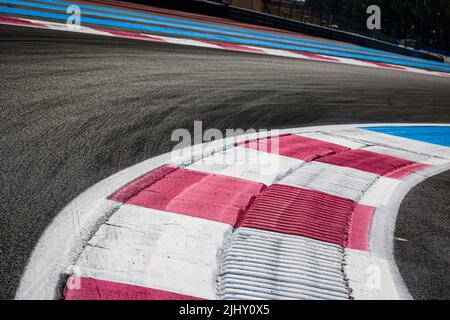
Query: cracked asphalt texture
{"points": [[77, 108]]}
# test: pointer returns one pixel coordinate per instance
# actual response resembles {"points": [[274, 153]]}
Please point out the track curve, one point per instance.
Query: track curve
{"points": [[422, 254], [77, 108]]}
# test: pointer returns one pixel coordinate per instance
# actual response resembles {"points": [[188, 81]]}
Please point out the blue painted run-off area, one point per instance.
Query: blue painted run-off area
{"points": [[437, 135], [172, 26]]}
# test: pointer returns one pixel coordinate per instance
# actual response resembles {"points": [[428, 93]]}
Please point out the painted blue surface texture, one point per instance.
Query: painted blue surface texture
{"points": [[437, 135], [172, 26], [206, 27]]}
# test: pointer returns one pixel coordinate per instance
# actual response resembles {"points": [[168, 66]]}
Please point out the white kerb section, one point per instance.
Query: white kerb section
{"points": [[258, 264], [156, 249], [250, 164]]}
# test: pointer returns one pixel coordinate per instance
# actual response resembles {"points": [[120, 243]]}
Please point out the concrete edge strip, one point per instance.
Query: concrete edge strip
{"points": [[61, 243], [383, 226], [209, 44]]}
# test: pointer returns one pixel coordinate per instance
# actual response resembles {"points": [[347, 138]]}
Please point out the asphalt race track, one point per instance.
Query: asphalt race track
{"points": [[421, 258], [77, 108]]}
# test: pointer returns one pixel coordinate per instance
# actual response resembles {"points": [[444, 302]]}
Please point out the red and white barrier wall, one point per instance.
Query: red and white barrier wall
{"points": [[312, 218]]}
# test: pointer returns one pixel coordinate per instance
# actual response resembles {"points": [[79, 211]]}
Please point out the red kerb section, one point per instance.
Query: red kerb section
{"points": [[80, 288], [132, 189], [359, 229], [294, 146], [373, 162], [198, 194], [21, 22], [405, 171], [311, 214], [387, 65], [316, 56], [132, 35], [235, 47]]}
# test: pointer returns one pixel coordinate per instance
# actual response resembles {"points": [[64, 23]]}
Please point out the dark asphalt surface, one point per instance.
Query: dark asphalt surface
{"points": [[424, 224], [76, 109]]}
